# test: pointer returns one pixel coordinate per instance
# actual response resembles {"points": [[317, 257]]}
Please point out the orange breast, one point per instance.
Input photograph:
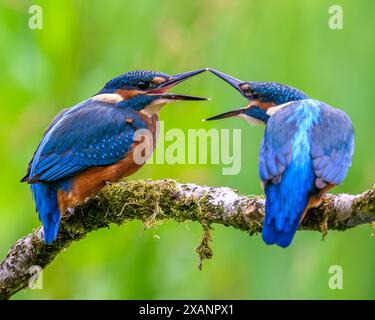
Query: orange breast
{"points": [[93, 179]]}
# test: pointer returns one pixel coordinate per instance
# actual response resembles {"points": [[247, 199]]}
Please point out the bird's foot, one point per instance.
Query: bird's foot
{"points": [[109, 183], [69, 212]]}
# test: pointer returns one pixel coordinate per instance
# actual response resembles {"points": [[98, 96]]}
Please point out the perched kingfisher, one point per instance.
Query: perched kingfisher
{"points": [[93, 142], [306, 150]]}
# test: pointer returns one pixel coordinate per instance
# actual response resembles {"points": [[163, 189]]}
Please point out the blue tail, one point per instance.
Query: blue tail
{"points": [[45, 197], [285, 203]]}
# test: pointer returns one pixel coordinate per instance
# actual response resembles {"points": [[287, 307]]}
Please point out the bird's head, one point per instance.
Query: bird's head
{"points": [[264, 98], [145, 90]]}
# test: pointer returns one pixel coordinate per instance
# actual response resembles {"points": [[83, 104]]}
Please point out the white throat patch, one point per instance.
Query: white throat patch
{"points": [[154, 107], [252, 121], [272, 110]]}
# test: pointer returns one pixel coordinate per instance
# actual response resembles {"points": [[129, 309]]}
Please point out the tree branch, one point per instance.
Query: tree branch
{"points": [[152, 201]]}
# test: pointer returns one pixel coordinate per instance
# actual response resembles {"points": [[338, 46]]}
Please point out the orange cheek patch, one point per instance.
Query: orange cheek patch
{"points": [[260, 104], [128, 94]]}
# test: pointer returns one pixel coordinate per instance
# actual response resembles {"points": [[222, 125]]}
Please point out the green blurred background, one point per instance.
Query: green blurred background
{"points": [[85, 43]]}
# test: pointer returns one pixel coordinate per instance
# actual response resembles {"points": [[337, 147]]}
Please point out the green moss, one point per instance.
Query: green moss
{"points": [[204, 249], [366, 203]]}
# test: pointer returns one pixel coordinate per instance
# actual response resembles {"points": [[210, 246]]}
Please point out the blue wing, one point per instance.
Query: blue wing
{"points": [[93, 133], [285, 173], [276, 147], [54, 121], [332, 146]]}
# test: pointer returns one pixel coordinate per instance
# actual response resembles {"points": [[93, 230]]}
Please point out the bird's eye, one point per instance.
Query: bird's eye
{"points": [[255, 95], [143, 85]]}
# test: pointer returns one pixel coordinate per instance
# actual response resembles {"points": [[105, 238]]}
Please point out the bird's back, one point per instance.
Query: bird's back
{"points": [[307, 145]]}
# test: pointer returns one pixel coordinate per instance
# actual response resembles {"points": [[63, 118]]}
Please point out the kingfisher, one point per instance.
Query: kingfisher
{"points": [[94, 142], [306, 150]]}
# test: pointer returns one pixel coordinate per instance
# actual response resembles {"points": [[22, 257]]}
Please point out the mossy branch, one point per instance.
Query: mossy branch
{"points": [[163, 200]]}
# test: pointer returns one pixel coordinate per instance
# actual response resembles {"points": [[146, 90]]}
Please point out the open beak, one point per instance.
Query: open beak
{"points": [[235, 83], [228, 114], [173, 81]]}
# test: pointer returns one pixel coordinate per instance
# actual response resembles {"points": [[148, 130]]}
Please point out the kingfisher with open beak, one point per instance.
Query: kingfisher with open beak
{"points": [[306, 150], [93, 142]]}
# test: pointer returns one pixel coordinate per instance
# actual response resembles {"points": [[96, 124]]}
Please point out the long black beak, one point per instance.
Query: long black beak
{"points": [[173, 81], [227, 114], [178, 78], [174, 96], [235, 83]]}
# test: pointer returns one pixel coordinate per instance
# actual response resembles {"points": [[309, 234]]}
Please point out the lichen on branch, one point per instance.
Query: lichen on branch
{"points": [[158, 201]]}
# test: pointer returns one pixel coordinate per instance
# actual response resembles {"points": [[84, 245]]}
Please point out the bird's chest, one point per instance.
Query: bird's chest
{"points": [[145, 140]]}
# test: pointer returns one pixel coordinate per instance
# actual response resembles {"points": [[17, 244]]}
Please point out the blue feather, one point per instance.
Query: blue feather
{"points": [[332, 141], [45, 197], [84, 138], [287, 199], [276, 92]]}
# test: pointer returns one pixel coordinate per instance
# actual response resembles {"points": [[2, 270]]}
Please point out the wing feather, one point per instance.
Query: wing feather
{"points": [[94, 135], [332, 140], [276, 148], [332, 145]]}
